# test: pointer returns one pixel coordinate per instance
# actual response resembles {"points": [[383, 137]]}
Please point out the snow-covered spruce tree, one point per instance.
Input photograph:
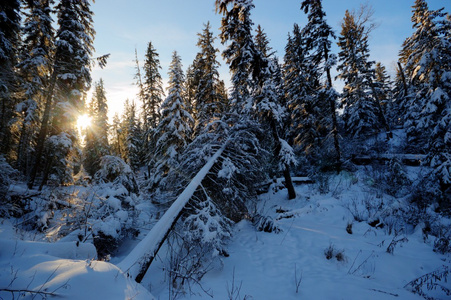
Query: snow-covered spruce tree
{"points": [[74, 48], [112, 214], [114, 134], [360, 110], [427, 59], [153, 89], [174, 130], [191, 83], [382, 86], [97, 133], [300, 83], [236, 29], [208, 102], [131, 136], [152, 95], [317, 38], [402, 92], [34, 69], [69, 81], [236, 126], [262, 42], [295, 83], [253, 89], [268, 109], [9, 45]]}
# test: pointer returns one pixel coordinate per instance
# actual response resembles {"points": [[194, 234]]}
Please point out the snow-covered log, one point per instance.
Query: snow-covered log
{"points": [[407, 159], [137, 263]]}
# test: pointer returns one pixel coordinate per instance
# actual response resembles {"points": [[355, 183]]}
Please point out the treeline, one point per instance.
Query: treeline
{"points": [[277, 112]]}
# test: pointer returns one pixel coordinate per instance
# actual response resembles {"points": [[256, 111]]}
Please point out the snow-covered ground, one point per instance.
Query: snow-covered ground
{"points": [[291, 264], [59, 270]]}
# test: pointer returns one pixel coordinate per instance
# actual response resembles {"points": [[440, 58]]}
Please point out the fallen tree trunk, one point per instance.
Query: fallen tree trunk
{"points": [[407, 159], [136, 264]]}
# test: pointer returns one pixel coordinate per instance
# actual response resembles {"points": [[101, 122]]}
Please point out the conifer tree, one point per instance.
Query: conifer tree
{"points": [[115, 134], [268, 108], [382, 86], [173, 132], [240, 53], [131, 136], [427, 59], [139, 78], [69, 81], [207, 101], [252, 85], [300, 83], [262, 43], [360, 111], [153, 92], [191, 84], [97, 133], [35, 67], [317, 37], [9, 45]]}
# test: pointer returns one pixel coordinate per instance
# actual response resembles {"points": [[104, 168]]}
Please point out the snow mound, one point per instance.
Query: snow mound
{"points": [[64, 270]]}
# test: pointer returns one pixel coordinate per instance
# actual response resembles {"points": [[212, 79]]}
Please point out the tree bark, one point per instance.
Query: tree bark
{"points": [[286, 170]]}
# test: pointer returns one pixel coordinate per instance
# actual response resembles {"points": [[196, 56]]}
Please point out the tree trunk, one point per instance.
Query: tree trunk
{"points": [[286, 170], [289, 182], [381, 113], [403, 79], [138, 261], [334, 117], [43, 130]]}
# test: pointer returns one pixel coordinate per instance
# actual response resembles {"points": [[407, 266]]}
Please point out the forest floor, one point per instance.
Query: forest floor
{"points": [[292, 264], [325, 249]]}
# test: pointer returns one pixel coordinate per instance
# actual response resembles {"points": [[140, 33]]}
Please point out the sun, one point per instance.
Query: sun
{"points": [[83, 122]]}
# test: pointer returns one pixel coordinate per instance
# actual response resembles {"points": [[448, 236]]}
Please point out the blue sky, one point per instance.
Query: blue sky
{"points": [[123, 25]]}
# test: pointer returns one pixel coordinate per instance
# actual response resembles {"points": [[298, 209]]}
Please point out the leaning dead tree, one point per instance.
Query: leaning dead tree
{"points": [[136, 264]]}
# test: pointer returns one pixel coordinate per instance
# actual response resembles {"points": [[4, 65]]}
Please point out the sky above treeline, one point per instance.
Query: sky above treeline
{"points": [[123, 26]]}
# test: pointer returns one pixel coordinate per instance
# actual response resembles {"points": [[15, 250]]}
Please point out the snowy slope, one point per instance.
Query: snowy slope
{"points": [[270, 266]]}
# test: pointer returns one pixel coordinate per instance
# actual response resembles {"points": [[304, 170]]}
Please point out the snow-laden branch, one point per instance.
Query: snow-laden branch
{"points": [[135, 265]]}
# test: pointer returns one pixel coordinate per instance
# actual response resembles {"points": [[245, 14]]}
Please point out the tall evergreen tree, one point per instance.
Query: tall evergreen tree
{"points": [[317, 36], [35, 67], [72, 64], [240, 54], [382, 87], [191, 84], [262, 42], [300, 83], [427, 59], [115, 134], [207, 101], [173, 132], [252, 87], [97, 133], [153, 88], [131, 136], [139, 79], [69, 81], [268, 108], [9, 45], [360, 110]]}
